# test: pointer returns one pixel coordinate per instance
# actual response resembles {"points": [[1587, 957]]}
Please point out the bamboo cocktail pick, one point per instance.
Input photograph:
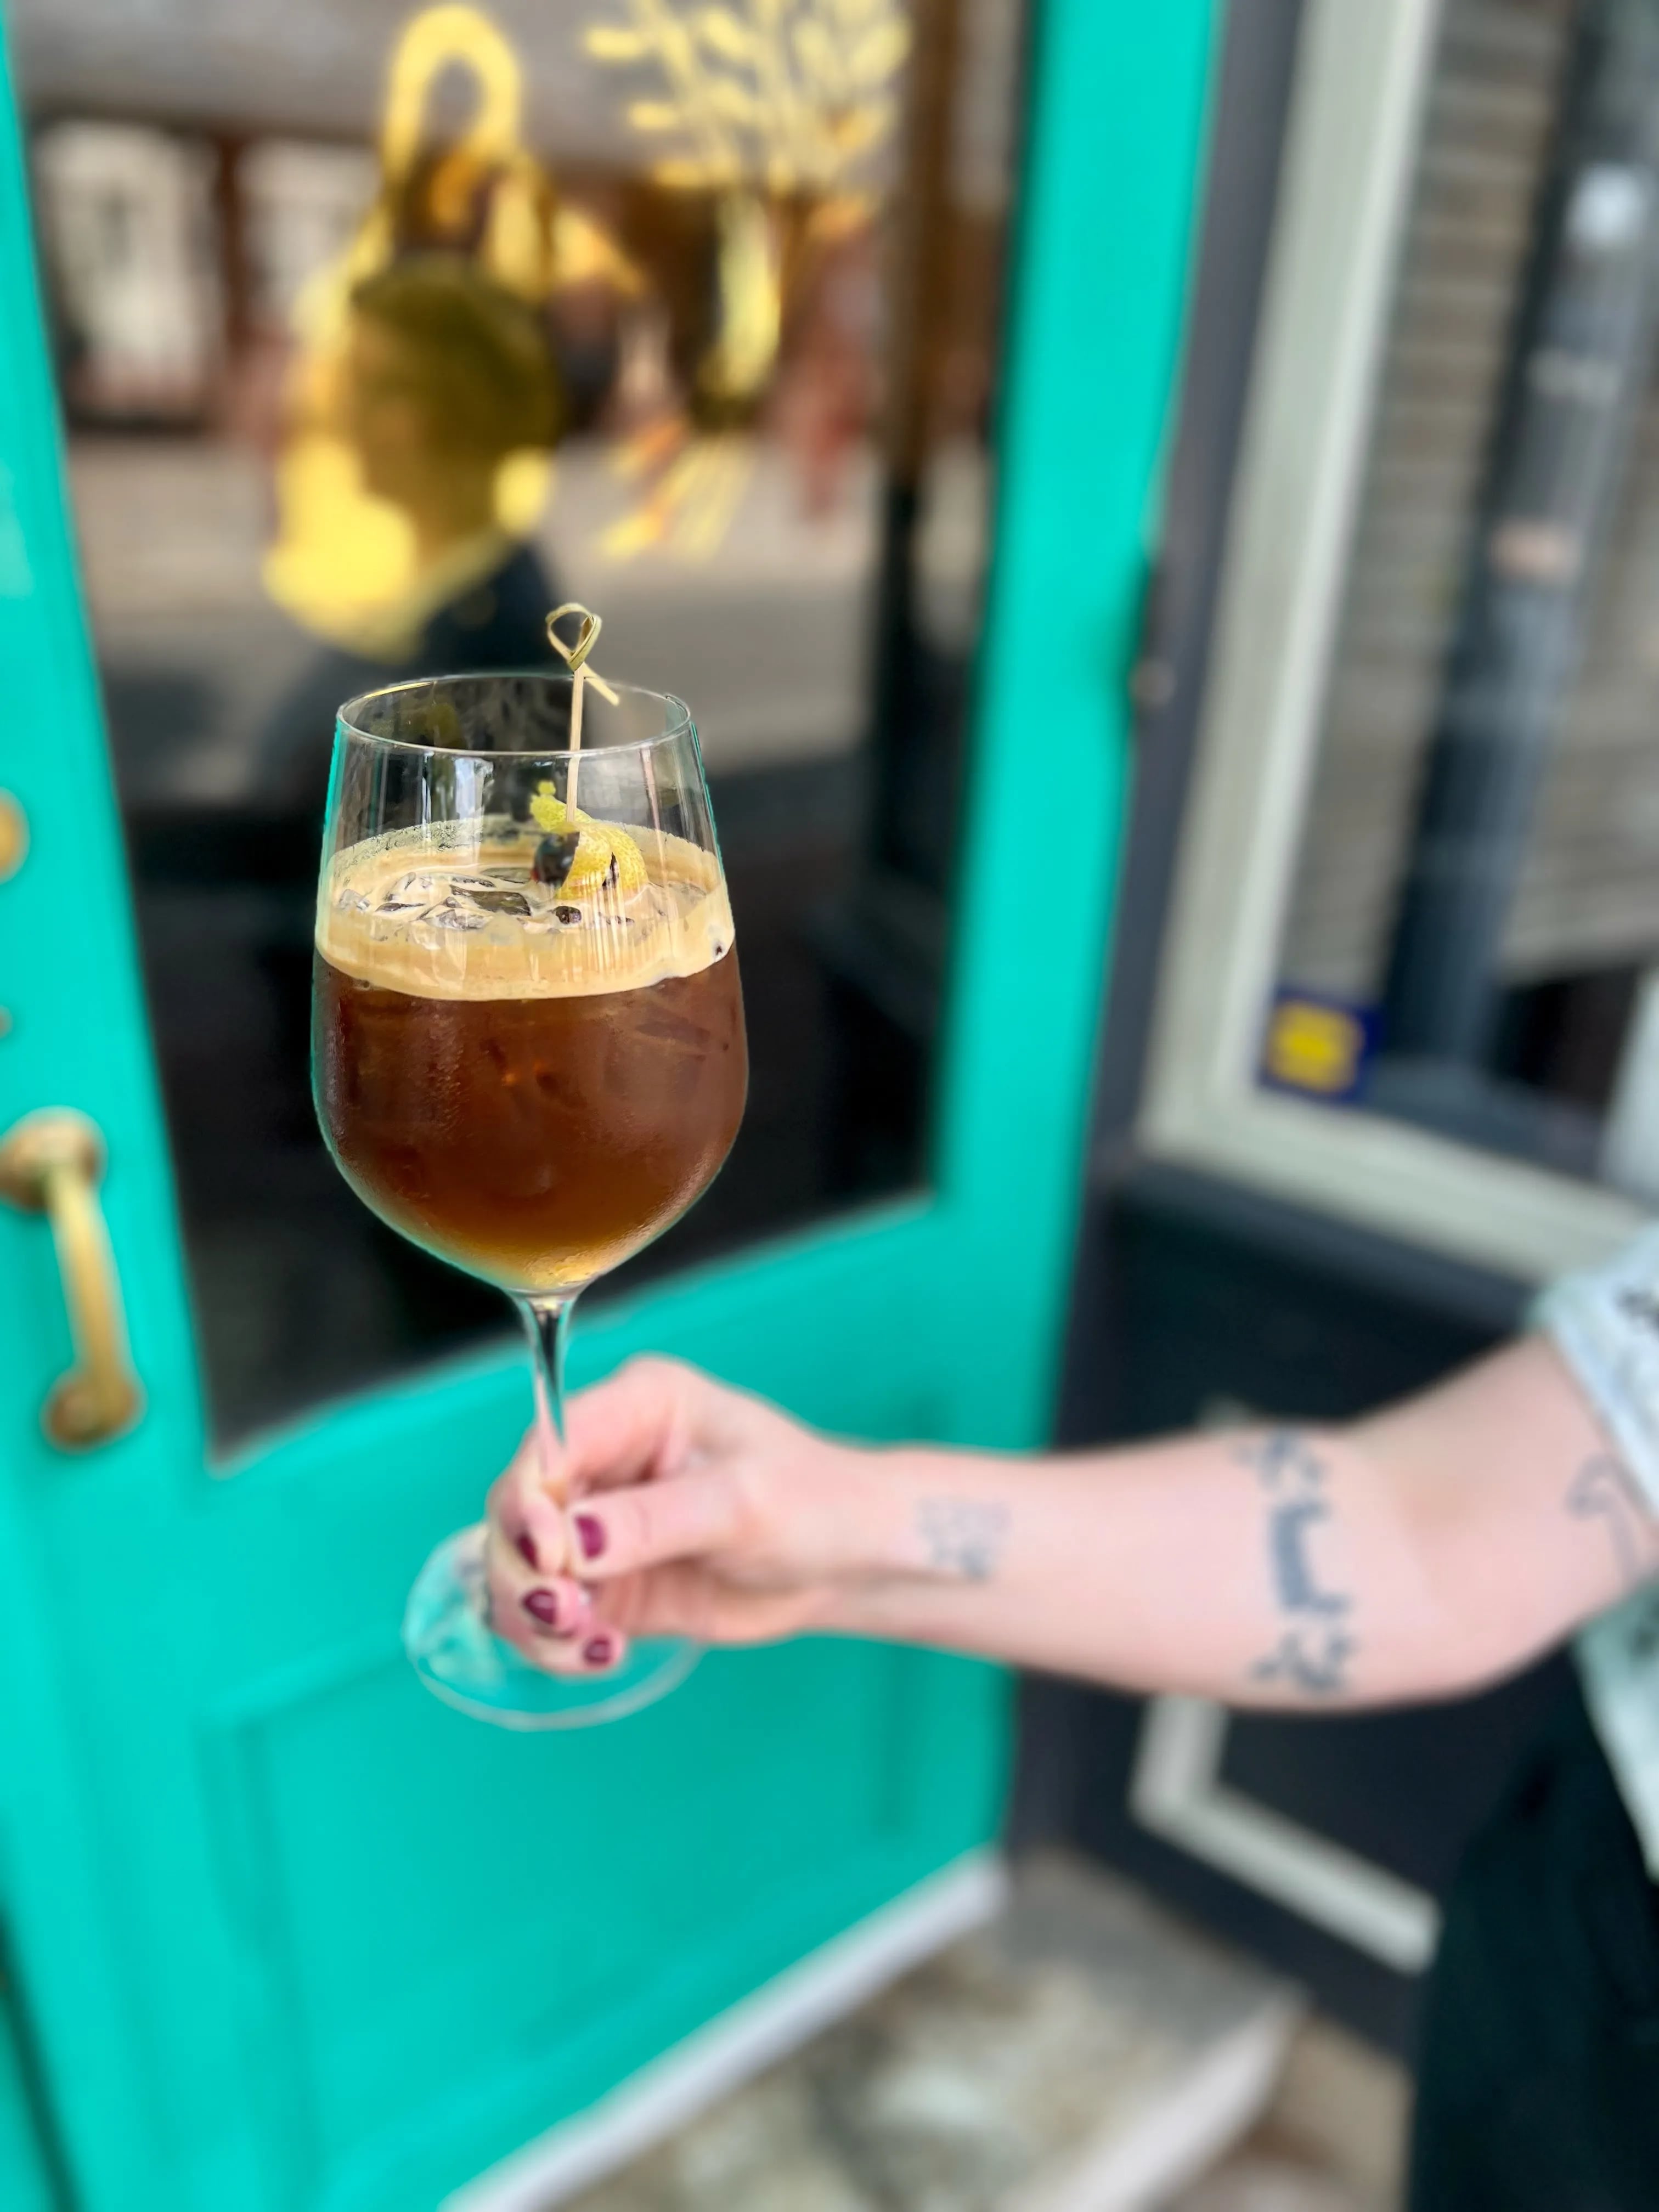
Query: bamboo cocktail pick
{"points": [[575, 658]]}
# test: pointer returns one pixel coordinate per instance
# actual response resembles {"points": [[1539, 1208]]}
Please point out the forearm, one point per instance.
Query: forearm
{"points": [[1267, 1568], [1417, 1554], [1423, 1551]]}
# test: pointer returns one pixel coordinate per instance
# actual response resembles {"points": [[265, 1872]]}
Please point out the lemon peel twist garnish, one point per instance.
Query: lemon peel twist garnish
{"points": [[548, 809], [599, 844]]}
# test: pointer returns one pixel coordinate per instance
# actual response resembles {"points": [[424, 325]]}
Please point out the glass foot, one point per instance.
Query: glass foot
{"points": [[461, 1660]]}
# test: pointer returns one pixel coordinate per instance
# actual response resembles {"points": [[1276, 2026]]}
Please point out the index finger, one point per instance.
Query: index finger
{"points": [[626, 1430], [632, 1428]]}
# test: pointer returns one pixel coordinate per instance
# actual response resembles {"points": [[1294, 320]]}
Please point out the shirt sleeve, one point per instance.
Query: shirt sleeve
{"points": [[1604, 1321]]}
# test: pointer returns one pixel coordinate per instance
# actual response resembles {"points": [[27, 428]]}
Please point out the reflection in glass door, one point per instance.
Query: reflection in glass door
{"points": [[376, 335]]}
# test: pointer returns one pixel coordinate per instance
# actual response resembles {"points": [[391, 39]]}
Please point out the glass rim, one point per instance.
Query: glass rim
{"points": [[681, 722]]}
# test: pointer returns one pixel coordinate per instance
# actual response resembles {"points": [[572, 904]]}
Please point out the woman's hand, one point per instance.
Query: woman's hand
{"points": [[689, 1510]]}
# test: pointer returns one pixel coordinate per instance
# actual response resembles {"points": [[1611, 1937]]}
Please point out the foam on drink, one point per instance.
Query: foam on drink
{"points": [[454, 911]]}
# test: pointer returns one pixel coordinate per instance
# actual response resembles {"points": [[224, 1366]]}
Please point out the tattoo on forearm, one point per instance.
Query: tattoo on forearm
{"points": [[1317, 1643], [963, 1537], [1603, 1489]]}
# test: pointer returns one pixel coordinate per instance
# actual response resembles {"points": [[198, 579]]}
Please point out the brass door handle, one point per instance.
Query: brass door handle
{"points": [[52, 1163]]}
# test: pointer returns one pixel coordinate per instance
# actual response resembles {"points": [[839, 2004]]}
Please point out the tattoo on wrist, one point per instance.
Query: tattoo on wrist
{"points": [[1316, 1641], [962, 1537], [1602, 1491]]}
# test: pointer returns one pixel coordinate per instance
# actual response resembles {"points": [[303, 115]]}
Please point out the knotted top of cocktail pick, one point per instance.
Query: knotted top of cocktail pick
{"points": [[587, 636]]}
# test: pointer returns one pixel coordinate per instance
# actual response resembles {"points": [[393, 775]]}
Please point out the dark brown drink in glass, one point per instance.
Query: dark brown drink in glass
{"points": [[531, 1085]]}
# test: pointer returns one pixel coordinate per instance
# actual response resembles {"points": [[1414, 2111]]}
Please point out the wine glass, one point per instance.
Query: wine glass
{"points": [[528, 1052]]}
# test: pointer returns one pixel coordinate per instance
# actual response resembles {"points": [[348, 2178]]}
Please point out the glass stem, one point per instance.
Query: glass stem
{"points": [[547, 1324]]}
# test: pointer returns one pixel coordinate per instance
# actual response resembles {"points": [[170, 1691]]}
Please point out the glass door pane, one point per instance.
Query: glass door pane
{"points": [[1472, 936], [377, 335]]}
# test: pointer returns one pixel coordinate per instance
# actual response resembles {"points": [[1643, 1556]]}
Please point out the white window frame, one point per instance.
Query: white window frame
{"points": [[1176, 1790], [1349, 170]]}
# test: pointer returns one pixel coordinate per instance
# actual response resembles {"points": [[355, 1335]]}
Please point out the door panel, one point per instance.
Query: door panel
{"points": [[567, 1981], [293, 1934]]}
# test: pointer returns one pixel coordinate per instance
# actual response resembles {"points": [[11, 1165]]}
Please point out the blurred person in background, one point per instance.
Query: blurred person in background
{"points": [[1424, 1552], [828, 397], [446, 374]]}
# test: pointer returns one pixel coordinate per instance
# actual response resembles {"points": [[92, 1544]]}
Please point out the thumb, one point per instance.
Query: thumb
{"points": [[617, 1532]]}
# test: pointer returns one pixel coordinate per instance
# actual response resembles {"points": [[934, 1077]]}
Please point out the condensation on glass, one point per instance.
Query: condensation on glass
{"points": [[1472, 936], [377, 334]]}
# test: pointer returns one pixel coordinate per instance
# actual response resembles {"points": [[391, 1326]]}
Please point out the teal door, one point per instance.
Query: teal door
{"points": [[285, 1933]]}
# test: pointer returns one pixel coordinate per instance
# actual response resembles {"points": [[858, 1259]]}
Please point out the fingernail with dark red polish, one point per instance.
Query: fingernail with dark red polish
{"points": [[599, 1652], [541, 1605], [526, 1550], [589, 1536]]}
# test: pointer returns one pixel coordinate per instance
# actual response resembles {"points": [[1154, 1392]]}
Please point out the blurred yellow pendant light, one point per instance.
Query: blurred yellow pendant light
{"points": [[344, 561], [777, 113]]}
